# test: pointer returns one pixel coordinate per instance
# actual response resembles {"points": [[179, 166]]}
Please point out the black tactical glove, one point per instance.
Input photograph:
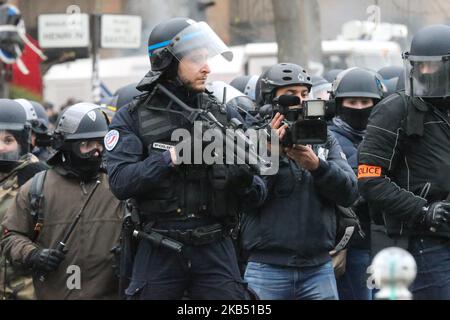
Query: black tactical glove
{"points": [[45, 260], [436, 215], [239, 176]]}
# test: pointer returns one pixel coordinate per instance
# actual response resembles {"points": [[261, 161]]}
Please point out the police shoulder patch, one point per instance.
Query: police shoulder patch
{"points": [[111, 139]]}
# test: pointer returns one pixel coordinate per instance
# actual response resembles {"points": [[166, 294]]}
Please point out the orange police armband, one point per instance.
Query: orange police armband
{"points": [[365, 171]]}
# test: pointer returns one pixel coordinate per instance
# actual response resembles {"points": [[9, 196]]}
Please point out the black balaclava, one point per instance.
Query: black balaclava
{"points": [[356, 118], [86, 166]]}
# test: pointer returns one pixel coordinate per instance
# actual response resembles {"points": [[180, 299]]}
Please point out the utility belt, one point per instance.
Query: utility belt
{"points": [[194, 237]]}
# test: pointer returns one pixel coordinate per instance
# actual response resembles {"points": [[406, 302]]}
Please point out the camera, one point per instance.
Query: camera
{"points": [[306, 123]]}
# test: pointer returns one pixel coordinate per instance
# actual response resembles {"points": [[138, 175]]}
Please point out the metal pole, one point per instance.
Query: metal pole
{"points": [[95, 57], [4, 84]]}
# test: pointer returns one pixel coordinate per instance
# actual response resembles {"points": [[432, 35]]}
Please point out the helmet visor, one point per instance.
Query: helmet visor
{"points": [[197, 45], [427, 76]]}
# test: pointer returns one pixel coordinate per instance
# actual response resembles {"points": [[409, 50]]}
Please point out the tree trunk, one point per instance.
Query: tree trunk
{"points": [[314, 31], [291, 31]]}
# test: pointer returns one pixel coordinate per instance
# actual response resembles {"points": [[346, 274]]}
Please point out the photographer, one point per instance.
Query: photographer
{"points": [[289, 238]]}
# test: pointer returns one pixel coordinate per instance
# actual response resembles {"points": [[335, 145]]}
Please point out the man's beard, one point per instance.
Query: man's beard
{"points": [[190, 85]]}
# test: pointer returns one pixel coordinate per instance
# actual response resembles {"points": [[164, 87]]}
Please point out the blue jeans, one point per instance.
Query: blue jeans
{"points": [[353, 283], [271, 282], [433, 269]]}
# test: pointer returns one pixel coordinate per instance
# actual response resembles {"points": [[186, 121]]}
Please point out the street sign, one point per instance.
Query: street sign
{"points": [[63, 30], [120, 31]]}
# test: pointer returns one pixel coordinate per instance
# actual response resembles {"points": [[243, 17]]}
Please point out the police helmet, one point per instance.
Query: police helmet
{"points": [[174, 38], [321, 88], [36, 116], [391, 76], [13, 119], [82, 121], [282, 75], [357, 82], [246, 85], [390, 72], [234, 98], [125, 95], [427, 64], [331, 75]]}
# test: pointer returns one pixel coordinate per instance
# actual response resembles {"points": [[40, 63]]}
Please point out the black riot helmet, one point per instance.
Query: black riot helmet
{"points": [[171, 40], [79, 125], [356, 83], [427, 64], [125, 95], [331, 75], [43, 123], [390, 72], [13, 121], [160, 38], [282, 75], [121, 98], [391, 76]]}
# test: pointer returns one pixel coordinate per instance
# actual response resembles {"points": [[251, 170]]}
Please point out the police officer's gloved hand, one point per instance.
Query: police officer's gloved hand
{"points": [[239, 176], [436, 215], [46, 260]]}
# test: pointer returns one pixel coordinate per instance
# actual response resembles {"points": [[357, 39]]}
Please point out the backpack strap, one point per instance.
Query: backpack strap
{"points": [[37, 201]]}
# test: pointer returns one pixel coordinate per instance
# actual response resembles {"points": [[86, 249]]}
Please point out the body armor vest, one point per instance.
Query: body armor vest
{"points": [[188, 190]]}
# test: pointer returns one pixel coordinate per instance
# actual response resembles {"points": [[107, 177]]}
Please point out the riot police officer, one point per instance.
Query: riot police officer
{"points": [[17, 166], [355, 91], [246, 85], [392, 75], [190, 206], [39, 122], [64, 222], [404, 167]]}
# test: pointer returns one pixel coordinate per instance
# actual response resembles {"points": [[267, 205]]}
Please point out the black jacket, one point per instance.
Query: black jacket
{"points": [[296, 226], [349, 140], [407, 150]]}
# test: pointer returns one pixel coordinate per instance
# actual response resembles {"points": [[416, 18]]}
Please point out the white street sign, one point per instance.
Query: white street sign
{"points": [[63, 30], [120, 31]]}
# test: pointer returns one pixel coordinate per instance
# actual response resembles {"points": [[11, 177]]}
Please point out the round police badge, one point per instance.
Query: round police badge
{"points": [[111, 139]]}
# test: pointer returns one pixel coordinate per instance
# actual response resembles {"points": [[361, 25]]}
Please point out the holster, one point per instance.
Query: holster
{"points": [[128, 247]]}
